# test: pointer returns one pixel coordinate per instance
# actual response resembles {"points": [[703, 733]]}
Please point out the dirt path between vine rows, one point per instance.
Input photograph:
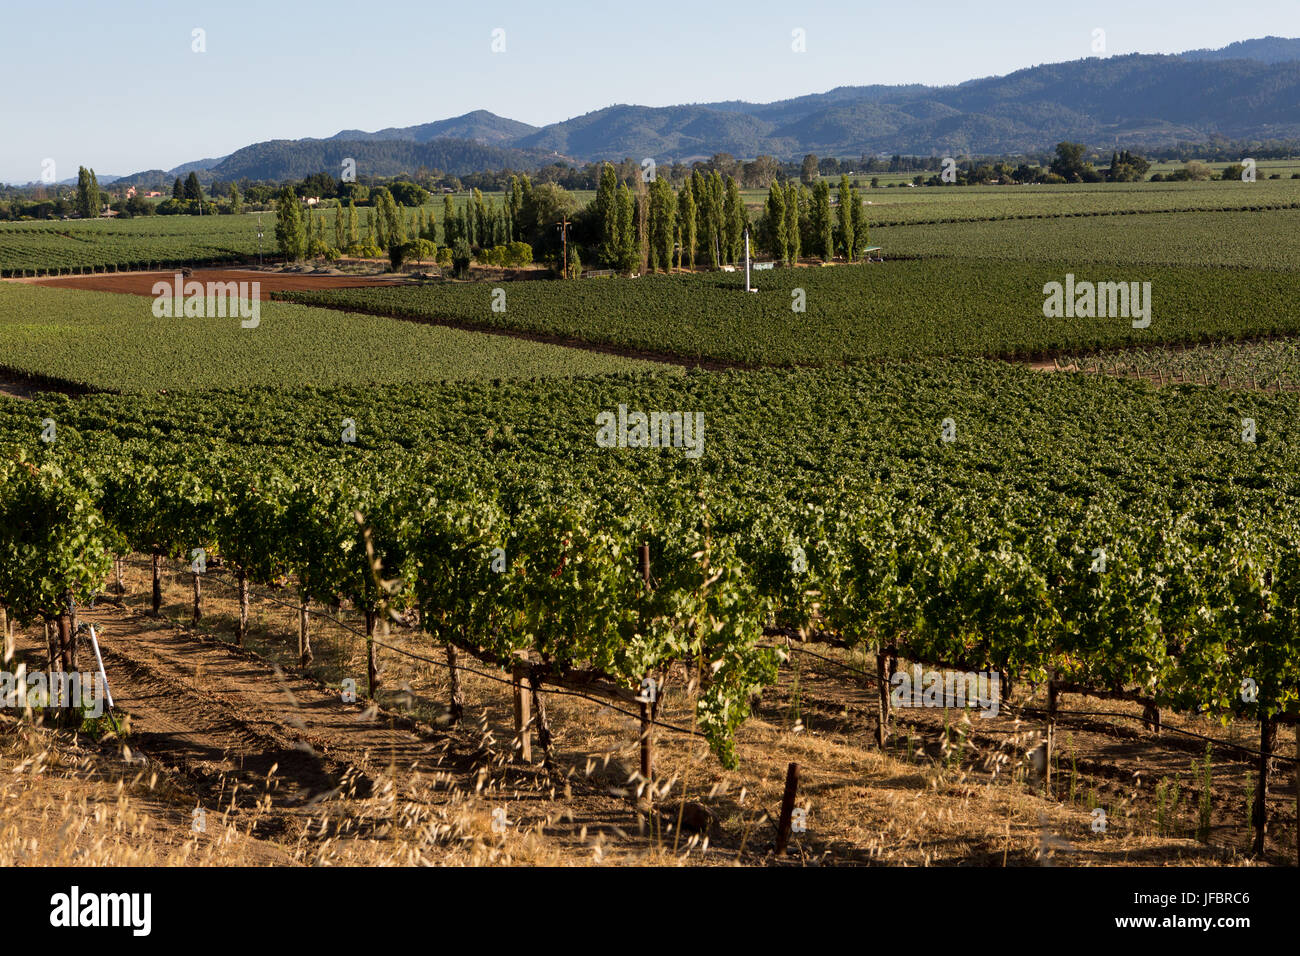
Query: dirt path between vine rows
{"points": [[223, 719], [296, 761]]}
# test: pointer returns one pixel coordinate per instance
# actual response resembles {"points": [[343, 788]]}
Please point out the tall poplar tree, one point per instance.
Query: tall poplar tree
{"points": [[821, 216], [87, 194], [859, 224], [717, 226], [448, 221], [792, 224], [686, 220], [845, 215], [627, 247], [605, 211], [734, 214], [776, 220], [289, 232], [663, 215]]}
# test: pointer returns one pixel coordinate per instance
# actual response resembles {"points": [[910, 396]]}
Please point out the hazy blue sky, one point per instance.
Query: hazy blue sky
{"points": [[116, 85]]}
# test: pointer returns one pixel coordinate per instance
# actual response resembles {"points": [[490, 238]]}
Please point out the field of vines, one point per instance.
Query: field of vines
{"points": [[939, 204], [52, 248], [111, 342], [1249, 240], [884, 310], [1273, 364], [963, 512]]}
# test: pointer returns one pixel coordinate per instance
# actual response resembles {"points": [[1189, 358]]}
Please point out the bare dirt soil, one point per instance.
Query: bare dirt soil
{"points": [[142, 283]]}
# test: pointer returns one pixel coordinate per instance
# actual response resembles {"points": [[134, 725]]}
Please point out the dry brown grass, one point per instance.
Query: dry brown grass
{"points": [[923, 802]]}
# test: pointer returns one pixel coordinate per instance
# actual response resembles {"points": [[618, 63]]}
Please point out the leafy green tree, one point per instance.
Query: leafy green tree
{"points": [[355, 193], [514, 207], [717, 215], [735, 220], [193, 191], [408, 194], [236, 200], [627, 244], [420, 250], [1127, 167], [821, 220], [87, 203], [544, 206], [808, 171], [481, 230], [687, 221], [605, 214], [319, 185], [792, 223], [859, 222], [354, 235], [776, 233], [392, 228], [845, 216], [289, 231], [449, 233], [1069, 161], [178, 190], [663, 214], [642, 194]]}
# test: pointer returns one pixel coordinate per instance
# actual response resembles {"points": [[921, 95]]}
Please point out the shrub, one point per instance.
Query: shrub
{"points": [[493, 256], [518, 254]]}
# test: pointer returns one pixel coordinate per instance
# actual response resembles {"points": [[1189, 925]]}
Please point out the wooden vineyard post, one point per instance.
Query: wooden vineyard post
{"points": [[522, 720], [1051, 735], [372, 676], [457, 695], [64, 622], [157, 583], [787, 808], [198, 597], [119, 585], [52, 646], [304, 630], [1296, 725], [242, 633], [6, 635], [1259, 813], [647, 713], [72, 631], [882, 717], [543, 728]]}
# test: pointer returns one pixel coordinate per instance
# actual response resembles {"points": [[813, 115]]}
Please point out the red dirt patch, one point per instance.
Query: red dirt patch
{"points": [[142, 283]]}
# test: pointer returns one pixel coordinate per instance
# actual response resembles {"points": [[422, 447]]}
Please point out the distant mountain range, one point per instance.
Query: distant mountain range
{"points": [[1247, 90]]}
